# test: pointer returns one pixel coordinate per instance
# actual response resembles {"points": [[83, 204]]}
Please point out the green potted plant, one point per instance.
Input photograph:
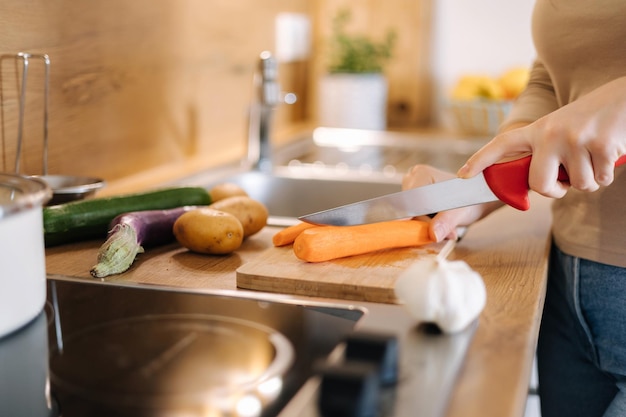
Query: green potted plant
{"points": [[353, 93]]}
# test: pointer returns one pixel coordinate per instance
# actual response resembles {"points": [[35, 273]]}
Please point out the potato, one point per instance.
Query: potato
{"points": [[251, 213], [205, 230], [225, 190]]}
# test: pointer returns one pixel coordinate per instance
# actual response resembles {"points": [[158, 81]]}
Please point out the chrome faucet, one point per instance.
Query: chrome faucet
{"points": [[267, 97]]}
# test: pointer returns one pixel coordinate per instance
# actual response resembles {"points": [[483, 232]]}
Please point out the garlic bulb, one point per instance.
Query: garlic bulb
{"points": [[447, 293]]}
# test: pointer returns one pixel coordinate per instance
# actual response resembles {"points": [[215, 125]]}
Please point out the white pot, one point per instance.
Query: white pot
{"points": [[357, 101], [22, 254]]}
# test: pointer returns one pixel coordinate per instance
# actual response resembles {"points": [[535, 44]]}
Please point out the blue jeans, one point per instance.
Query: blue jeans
{"points": [[581, 354]]}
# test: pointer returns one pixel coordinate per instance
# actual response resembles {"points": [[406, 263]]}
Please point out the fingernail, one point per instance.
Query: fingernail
{"points": [[440, 232]]}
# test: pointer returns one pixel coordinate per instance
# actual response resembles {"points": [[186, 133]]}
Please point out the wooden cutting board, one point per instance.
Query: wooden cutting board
{"points": [[369, 277]]}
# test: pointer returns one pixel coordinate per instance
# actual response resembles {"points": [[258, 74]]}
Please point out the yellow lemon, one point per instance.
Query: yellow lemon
{"points": [[465, 88], [472, 87], [490, 88], [514, 81]]}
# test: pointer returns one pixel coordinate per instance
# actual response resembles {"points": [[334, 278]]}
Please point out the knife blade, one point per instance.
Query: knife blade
{"points": [[507, 181]]}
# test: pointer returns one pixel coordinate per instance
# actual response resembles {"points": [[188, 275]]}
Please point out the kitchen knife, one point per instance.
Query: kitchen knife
{"points": [[507, 181]]}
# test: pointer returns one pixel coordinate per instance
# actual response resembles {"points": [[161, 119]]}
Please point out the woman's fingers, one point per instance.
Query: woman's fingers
{"points": [[444, 225], [543, 174], [603, 162], [420, 175], [511, 144]]}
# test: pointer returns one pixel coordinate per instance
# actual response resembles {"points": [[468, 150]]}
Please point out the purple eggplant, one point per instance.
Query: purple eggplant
{"points": [[129, 233]]}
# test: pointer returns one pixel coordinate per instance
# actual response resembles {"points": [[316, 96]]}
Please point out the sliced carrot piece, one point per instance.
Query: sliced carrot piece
{"points": [[287, 235], [321, 244]]}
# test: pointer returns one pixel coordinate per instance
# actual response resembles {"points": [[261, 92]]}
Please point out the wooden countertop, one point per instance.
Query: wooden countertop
{"points": [[509, 249]]}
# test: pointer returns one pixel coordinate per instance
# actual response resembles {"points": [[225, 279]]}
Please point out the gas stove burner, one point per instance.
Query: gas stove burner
{"points": [[197, 363]]}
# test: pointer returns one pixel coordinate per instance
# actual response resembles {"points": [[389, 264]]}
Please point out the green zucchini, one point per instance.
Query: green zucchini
{"points": [[89, 219]]}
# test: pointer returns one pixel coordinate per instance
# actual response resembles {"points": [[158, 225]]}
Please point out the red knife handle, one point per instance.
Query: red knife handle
{"points": [[509, 180]]}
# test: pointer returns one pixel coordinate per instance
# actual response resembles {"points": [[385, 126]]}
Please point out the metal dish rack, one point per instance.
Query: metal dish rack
{"points": [[20, 63]]}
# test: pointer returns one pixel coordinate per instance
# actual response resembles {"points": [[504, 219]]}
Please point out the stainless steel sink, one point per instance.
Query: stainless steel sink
{"points": [[292, 196], [367, 151], [331, 167]]}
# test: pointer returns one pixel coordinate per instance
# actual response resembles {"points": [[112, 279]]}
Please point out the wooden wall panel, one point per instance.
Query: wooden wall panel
{"points": [[139, 83], [142, 84]]}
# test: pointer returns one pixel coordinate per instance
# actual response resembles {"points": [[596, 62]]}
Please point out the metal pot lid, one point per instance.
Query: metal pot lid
{"points": [[18, 193], [69, 184]]}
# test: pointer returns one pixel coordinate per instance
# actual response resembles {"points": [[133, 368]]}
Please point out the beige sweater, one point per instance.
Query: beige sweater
{"points": [[581, 44]]}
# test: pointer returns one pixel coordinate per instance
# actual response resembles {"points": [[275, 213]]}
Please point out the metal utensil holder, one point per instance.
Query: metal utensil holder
{"points": [[24, 58]]}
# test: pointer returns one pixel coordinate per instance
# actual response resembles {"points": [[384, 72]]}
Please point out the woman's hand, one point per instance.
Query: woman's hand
{"points": [[444, 224], [586, 136]]}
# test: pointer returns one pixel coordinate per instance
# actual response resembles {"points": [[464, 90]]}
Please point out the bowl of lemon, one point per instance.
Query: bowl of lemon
{"points": [[479, 103]]}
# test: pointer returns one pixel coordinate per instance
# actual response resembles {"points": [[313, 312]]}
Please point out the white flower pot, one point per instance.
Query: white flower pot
{"points": [[357, 101]]}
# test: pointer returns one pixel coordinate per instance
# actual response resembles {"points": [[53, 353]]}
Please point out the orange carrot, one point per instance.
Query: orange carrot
{"points": [[287, 235], [321, 244]]}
